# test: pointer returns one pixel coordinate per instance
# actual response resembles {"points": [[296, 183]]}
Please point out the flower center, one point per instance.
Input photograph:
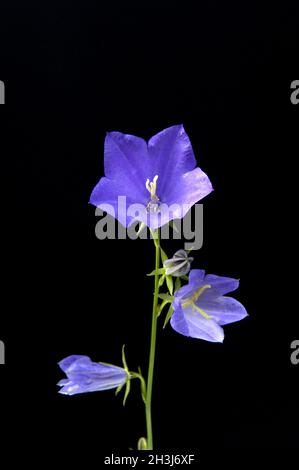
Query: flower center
{"points": [[190, 301], [154, 202]]}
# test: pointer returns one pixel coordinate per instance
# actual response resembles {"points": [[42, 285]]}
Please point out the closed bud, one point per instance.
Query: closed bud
{"points": [[179, 265], [142, 444]]}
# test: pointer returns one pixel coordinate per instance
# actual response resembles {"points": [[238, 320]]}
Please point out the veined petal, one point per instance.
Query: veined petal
{"points": [[188, 189], [171, 154], [126, 158], [196, 276], [223, 285], [63, 382], [126, 169], [93, 371], [83, 376], [84, 384], [183, 292], [189, 323], [67, 362], [223, 309], [178, 321], [114, 198], [203, 328]]}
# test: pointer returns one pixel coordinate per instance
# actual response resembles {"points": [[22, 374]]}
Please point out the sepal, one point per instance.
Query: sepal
{"points": [[168, 315]]}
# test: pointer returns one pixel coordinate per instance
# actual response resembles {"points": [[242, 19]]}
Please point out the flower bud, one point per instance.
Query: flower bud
{"points": [[179, 265], [142, 444]]}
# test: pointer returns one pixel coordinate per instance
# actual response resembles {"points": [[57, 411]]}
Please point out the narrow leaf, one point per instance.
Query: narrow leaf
{"points": [[163, 255], [157, 271], [178, 284], [128, 386], [124, 358], [161, 306], [142, 385], [119, 389], [168, 315], [169, 283], [166, 297], [161, 280]]}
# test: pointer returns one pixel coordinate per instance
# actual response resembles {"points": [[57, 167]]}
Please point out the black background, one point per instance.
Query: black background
{"points": [[73, 71]]}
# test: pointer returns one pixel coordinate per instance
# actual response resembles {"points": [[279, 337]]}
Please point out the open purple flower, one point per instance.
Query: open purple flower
{"points": [[200, 307], [152, 182], [83, 376]]}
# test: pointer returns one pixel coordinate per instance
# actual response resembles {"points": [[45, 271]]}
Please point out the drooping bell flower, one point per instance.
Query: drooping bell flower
{"points": [[152, 182], [201, 307], [83, 376]]}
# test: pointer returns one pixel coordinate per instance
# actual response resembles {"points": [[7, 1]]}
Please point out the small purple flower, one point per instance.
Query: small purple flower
{"points": [[152, 182], [83, 375], [200, 307]]}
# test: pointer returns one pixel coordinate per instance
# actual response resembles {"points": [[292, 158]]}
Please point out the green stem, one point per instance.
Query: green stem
{"points": [[149, 387]]}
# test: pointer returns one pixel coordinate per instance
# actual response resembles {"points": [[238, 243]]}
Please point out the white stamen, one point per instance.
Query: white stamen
{"points": [[151, 186]]}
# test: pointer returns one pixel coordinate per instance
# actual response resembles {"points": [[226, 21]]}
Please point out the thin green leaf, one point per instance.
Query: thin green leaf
{"points": [[161, 280], [177, 284], [124, 358], [157, 271], [169, 283], [119, 389], [128, 387], [142, 385], [168, 315], [161, 306], [166, 297], [163, 255]]}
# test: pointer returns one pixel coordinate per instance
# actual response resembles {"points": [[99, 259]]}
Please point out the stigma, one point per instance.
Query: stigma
{"points": [[154, 202], [190, 302], [151, 186]]}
